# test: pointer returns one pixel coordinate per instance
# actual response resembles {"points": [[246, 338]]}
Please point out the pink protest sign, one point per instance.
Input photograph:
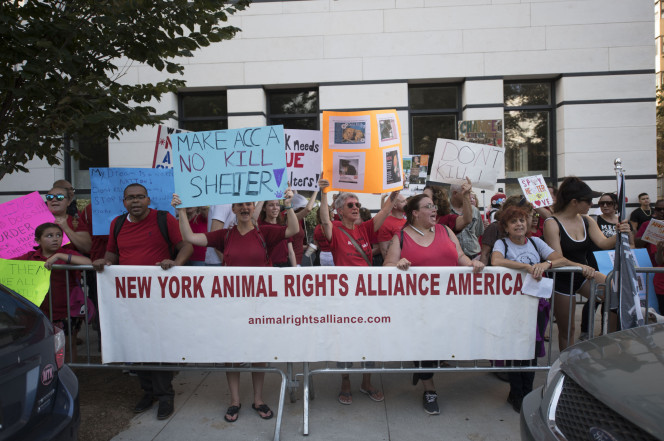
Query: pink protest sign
{"points": [[18, 220], [536, 191]]}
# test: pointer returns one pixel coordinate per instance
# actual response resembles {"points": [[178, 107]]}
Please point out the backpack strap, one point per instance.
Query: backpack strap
{"points": [[119, 221], [162, 222], [357, 246]]}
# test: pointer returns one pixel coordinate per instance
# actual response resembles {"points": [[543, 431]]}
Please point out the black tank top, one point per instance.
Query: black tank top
{"points": [[573, 250]]}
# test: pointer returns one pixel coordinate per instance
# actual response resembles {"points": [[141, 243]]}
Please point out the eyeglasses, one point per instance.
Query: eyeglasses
{"points": [[430, 207], [608, 204], [354, 205], [135, 197], [57, 197]]}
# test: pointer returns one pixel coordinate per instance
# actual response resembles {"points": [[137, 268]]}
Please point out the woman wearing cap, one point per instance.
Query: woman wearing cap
{"points": [[571, 231], [350, 244]]}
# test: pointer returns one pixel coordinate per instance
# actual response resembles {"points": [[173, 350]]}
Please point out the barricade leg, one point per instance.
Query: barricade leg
{"points": [[305, 399]]}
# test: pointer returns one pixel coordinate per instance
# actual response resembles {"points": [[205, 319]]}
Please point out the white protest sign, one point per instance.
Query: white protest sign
{"points": [[654, 232], [454, 160], [536, 191], [163, 148], [304, 158], [293, 315]]}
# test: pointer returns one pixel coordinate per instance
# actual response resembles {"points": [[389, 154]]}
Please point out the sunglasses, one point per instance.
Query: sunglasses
{"points": [[135, 197], [57, 197], [658, 208], [354, 205], [605, 203], [430, 207]]}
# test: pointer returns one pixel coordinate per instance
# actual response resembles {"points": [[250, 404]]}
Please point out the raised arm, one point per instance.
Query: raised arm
{"points": [[292, 224], [467, 208], [325, 221], [198, 239], [385, 210], [310, 205]]}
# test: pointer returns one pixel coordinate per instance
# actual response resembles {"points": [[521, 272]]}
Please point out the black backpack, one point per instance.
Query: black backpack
{"points": [[163, 228]]}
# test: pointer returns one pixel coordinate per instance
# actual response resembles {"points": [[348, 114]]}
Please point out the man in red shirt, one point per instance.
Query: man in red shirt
{"points": [[393, 224], [140, 242]]}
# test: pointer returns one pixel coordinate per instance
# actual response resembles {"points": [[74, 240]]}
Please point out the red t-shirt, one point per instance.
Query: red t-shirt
{"points": [[658, 280], [319, 235], [343, 250], [390, 227], [198, 225], [279, 252], [76, 224], [141, 243], [99, 243], [441, 252], [449, 220], [247, 250], [298, 242], [58, 283]]}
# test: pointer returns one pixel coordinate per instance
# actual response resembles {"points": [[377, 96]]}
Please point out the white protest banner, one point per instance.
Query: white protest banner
{"points": [[654, 232], [241, 314], [163, 148], [304, 158], [453, 161], [536, 191]]}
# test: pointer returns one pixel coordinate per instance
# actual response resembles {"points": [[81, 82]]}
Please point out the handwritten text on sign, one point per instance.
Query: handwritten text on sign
{"points": [[107, 191], [18, 220], [294, 315], [228, 166], [304, 157], [536, 191], [163, 147], [26, 277], [454, 160]]}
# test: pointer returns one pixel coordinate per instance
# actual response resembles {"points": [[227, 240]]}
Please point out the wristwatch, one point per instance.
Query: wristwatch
{"points": [[550, 264]]}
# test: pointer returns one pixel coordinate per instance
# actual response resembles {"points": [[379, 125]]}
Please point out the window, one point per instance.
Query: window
{"points": [[529, 129], [433, 111], [294, 109], [203, 111]]}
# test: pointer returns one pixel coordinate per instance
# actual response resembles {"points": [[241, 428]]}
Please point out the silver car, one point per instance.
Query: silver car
{"points": [[605, 389]]}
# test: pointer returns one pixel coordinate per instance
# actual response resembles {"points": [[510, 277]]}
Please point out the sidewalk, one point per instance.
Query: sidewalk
{"points": [[472, 405]]}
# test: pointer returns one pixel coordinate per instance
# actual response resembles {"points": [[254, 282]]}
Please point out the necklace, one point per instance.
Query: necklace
{"points": [[421, 233], [648, 213]]}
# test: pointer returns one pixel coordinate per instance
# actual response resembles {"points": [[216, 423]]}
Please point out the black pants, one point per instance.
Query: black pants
{"points": [[157, 383], [521, 383]]}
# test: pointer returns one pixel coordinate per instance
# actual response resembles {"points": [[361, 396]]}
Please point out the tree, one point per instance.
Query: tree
{"points": [[63, 63]]}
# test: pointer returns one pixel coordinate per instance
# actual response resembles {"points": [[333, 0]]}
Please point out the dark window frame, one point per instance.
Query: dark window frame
{"points": [[182, 119], [270, 116]]}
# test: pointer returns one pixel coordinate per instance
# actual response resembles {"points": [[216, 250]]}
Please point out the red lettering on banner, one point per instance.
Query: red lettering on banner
{"points": [[174, 288], [320, 285], [507, 290], [434, 284], [518, 283], [343, 282], [126, 287], [247, 287], [398, 286], [451, 286], [288, 285], [229, 286], [465, 282], [307, 289], [216, 287], [260, 289], [488, 283], [381, 291], [411, 284], [162, 285], [360, 288], [273, 292], [477, 284], [371, 291], [198, 287], [186, 286], [423, 277]]}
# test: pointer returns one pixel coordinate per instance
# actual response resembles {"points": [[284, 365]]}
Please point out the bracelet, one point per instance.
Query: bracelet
{"points": [[289, 207], [68, 259]]}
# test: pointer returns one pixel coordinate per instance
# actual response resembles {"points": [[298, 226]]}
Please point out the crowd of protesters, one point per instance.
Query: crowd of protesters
{"points": [[438, 227]]}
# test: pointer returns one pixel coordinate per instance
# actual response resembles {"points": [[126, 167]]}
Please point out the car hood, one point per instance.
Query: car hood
{"points": [[625, 371]]}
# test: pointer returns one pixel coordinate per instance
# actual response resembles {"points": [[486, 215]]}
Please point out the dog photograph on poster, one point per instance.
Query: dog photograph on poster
{"points": [[348, 170], [350, 132], [392, 176], [388, 130]]}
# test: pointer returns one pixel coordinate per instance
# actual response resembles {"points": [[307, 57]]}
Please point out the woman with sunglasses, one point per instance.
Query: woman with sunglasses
{"points": [[423, 242], [350, 243], [571, 231], [57, 201]]}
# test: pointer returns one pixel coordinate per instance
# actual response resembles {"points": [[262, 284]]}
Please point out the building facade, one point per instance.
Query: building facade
{"points": [[573, 81]]}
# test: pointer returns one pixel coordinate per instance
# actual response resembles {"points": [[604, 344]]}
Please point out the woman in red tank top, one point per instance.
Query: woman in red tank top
{"points": [[423, 242]]}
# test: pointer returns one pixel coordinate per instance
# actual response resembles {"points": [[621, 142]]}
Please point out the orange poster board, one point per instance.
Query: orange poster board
{"points": [[362, 151]]}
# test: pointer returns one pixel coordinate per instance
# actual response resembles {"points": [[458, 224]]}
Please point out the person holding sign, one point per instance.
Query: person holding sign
{"points": [[57, 201], [571, 231], [350, 243], [423, 242], [245, 244], [282, 254], [656, 252]]}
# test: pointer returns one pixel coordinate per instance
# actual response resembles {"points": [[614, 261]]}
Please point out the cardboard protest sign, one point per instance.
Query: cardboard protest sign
{"points": [[482, 131], [536, 191], [27, 277], [107, 190], [654, 232], [18, 220], [454, 160], [228, 166], [416, 169], [362, 151], [163, 149], [304, 155], [605, 261]]}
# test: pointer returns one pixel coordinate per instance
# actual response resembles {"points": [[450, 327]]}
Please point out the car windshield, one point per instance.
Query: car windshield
{"points": [[16, 319]]}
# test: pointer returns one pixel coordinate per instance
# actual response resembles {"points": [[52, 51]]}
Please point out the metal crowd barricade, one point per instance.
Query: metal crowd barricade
{"points": [[289, 378]]}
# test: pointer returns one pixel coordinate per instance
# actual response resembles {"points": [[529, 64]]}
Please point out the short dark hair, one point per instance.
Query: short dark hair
{"points": [[43, 227], [642, 194], [613, 197], [412, 205], [135, 184]]}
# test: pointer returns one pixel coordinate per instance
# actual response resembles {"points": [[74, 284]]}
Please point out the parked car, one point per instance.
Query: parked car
{"points": [[38, 392], [607, 388]]}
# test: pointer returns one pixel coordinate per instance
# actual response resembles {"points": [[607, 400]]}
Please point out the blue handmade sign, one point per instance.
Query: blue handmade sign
{"points": [[227, 166], [107, 188]]}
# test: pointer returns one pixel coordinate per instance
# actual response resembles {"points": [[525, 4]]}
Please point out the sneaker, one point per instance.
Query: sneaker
{"points": [[144, 403], [431, 402], [165, 409], [515, 400], [583, 336]]}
